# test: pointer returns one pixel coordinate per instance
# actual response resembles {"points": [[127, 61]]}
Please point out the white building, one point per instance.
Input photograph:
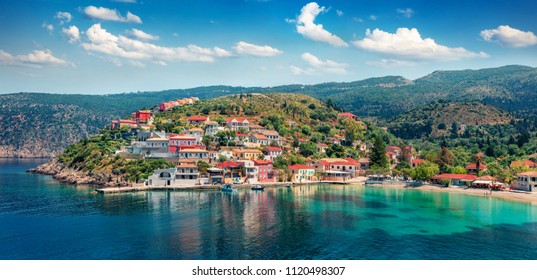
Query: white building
{"points": [[527, 181], [162, 177]]}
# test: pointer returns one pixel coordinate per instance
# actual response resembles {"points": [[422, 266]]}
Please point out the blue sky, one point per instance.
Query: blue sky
{"points": [[118, 46]]}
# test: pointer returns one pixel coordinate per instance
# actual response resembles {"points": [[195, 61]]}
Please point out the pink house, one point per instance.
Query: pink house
{"points": [[265, 171]]}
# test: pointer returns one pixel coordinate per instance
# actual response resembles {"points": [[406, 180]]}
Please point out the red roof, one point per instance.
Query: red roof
{"points": [[240, 135], [302, 140], [300, 166], [418, 160], [197, 118], [525, 162], [262, 162], [455, 176], [228, 164], [237, 119], [473, 166], [260, 136], [274, 149]]}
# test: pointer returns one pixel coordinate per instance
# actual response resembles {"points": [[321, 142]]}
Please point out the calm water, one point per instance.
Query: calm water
{"points": [[43, 219]]}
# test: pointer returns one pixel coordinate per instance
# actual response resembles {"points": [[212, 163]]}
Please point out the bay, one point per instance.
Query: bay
{"points": [[42, 219]]}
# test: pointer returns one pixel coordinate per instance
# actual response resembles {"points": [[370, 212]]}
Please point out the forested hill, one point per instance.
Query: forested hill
{"points": [[38, 124], [446, 118]]}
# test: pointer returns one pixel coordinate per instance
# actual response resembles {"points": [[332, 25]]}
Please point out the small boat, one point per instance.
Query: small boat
{"points": [[257, 188], [228, 188]]}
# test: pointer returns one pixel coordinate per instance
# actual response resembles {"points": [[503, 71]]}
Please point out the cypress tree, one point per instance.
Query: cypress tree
{"points": [[378, 154]]}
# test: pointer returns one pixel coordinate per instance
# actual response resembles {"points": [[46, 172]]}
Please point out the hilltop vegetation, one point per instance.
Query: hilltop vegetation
{"points": [[446, 118], [35, 124]]}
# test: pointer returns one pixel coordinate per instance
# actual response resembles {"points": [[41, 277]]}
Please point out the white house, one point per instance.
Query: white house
{"points": [[527, 181], [162, 177]]}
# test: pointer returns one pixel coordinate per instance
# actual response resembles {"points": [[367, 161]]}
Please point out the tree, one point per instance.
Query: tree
{"points": [[353, 130], [445, 159], [424, 171], [307, 149], [280, 162], [335, 151], [202, 166], [458, 170], [378, 157], [306, 129], [222, 158]]}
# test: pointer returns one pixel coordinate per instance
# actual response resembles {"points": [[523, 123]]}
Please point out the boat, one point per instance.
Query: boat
{"points": [[257, 188], [228, 188]]}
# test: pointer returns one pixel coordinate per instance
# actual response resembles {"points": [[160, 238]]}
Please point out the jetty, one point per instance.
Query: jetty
{"points": [[143, 188]]}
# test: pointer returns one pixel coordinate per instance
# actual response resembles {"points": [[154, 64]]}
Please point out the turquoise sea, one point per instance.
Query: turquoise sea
{"points": [[43, 219]]}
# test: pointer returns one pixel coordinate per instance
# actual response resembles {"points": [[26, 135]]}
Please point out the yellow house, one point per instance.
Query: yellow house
{"points": [[246, 154]]}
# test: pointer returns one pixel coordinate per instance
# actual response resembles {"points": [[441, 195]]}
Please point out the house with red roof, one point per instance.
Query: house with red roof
{"points": [[417, 161], [472, 168], [141, 116], [337, 169], [181, 142], [454, 179], [349, 116], [273, 136], [265, 171], [524, 163], [301, 173], [272, 152], [197, 120], [237, 123], [259, 139]]}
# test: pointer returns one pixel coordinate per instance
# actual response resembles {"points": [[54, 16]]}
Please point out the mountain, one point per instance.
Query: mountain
{"points": [[444, 118], [37, 124]]}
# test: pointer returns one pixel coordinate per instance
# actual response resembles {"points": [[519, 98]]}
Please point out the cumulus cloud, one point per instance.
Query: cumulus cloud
{"points": [[326, 65], [72, 34], [102, 13], [408, 43], [255, 50], [37, 58], [64, 17], [309, 29], [408, 12], [509, 37], [142, 35], [102, 41]]}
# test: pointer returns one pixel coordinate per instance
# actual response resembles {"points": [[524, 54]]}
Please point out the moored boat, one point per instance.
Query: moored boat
{"points": [[257, 188], [228, 188]]}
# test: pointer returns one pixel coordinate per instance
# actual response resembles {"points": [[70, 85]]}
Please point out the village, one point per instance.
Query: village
{"points": [[252, 157]]}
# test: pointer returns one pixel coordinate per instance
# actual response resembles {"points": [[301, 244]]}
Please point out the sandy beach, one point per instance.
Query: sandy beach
{"points": [[485, 193]]}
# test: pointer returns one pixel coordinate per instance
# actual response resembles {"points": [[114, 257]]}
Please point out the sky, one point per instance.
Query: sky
{"points": [[115, 46]]}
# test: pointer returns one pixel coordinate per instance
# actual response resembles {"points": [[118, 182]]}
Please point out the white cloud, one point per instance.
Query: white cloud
{"points": [[255, 50], [100, 40], [357, 19], [373, 17], [221, 52], [408, 12], [391, 63], [124, 1], [288, 20], [339, 12], [307, 27], [299, 71], [142, 35], [64, 17], [48, 27], [37, 58], [72, 33], [408, 43], [325, 66], [102, 13], [509, 37]]}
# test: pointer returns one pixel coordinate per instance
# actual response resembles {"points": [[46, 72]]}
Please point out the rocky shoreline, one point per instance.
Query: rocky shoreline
{"points": [[65, 174]]}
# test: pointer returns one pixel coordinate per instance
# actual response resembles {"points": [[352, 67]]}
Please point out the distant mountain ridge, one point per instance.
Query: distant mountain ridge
{"points": [[38, 124]]}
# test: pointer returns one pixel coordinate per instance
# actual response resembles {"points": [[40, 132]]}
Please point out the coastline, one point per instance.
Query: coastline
{"points": [[517, 196], [104, 185]]}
